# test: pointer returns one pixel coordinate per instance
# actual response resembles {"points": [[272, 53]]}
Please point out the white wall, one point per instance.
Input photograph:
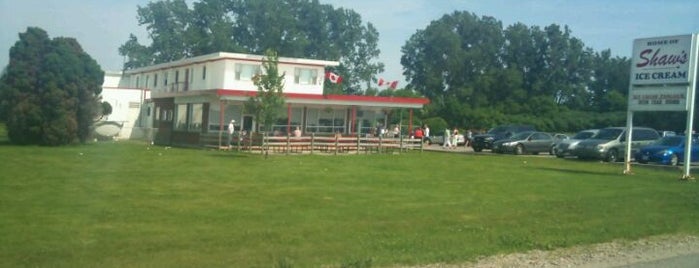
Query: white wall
{"points": [[126, 107]]}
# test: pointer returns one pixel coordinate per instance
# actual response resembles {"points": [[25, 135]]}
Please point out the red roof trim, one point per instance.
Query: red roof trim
{"points": [[406, 100]]}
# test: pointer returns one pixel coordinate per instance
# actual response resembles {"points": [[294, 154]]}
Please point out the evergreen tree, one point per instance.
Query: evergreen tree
{"points": [[50, 90]]}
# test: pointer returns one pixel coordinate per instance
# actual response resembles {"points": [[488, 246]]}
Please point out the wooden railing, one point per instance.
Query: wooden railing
{"points": [[321, 144]]}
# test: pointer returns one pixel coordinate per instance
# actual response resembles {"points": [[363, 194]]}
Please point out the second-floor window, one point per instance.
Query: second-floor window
{"points": [[305, 76], [245, 72]]}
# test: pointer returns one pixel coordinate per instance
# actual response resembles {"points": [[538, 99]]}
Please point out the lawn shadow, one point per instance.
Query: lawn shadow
{"points": [[578, 171], [226, 154]]}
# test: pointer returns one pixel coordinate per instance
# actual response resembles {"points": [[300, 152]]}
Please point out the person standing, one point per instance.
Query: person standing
{"points": [[447, 139], [454, 139], [426, 132], [469, 137], [231, 130]]}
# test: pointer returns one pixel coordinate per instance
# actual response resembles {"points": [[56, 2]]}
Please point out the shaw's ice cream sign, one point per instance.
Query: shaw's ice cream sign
{"points": [[661, 73]]}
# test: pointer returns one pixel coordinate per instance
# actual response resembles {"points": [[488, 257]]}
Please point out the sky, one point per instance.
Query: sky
{"points": [[101, 26]]}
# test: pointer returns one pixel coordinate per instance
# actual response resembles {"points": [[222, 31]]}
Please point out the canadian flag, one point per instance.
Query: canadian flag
{"points": [[391, 84], [333, 77]]}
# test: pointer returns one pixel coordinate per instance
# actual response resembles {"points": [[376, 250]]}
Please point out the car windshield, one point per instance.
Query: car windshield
{"points": [[608, 133], [521, 135], [670, 141], [583, 135], [497, 130]]}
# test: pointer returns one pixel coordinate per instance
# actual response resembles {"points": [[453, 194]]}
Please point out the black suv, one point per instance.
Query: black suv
{"points": [[485, 141]]}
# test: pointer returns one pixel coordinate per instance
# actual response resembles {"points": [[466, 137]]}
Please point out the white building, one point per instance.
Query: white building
{"points": [[191, 100], [129, 109]]}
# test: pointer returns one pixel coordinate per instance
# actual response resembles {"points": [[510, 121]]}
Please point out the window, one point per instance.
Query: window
{"points": [[203, 73], [245, 72], [138, 84], [155, 80], [181, 122], [304, 76], [165, 79], [147, 80], [195, 116]]}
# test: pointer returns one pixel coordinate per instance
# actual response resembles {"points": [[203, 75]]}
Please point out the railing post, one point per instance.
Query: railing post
{"points": [[337, 138], [358, 142], [422, 144], [265, 144], [313, 140], [378, 150], [400, 140], [288, 143]]}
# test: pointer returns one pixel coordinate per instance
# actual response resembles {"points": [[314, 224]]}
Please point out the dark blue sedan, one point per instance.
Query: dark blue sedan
{"points": [[667, 151]]}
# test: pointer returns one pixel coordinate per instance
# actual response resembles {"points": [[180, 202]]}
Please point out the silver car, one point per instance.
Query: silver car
{"points": [[525, 142], [566, 147], [610, 143]]}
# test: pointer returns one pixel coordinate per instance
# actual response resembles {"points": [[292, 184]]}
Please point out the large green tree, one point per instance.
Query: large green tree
{"points": [[50, 92], [478, 74], [293, 28]]}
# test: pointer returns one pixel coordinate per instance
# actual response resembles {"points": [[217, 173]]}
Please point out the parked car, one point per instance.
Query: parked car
{"points": [[668, 150], [524, 143], [610, 143], [557, 138], [485, 141], [565, 147], [666, 133]]}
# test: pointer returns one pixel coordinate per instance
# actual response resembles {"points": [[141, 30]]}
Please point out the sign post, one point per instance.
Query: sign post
{"points": [[663, 78]]}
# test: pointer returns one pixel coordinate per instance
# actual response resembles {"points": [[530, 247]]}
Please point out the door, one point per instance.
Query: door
{"points": [[248, 123]]}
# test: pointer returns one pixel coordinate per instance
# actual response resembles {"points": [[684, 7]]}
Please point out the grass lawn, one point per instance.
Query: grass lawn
{"points": [[125, 204]]}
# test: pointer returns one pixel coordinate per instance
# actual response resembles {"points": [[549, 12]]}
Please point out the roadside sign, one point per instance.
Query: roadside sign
{"points": [[663, 78]]}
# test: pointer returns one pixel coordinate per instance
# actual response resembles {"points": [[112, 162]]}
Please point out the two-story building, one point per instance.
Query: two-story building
{"points": [[187, 100]]}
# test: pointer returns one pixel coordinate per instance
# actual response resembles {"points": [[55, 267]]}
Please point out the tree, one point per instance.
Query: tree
{"points": [[293, 28], [50, 91], [269, 101], [478, 73]]}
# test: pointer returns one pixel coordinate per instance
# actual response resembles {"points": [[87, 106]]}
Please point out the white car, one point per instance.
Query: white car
{"points": [[460, 140]]}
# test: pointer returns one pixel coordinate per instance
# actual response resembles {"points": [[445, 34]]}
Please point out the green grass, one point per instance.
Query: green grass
{"points": [[123, 204]]}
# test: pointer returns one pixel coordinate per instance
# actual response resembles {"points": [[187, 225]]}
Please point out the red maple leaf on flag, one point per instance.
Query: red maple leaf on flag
{"points": [[333, 77]]}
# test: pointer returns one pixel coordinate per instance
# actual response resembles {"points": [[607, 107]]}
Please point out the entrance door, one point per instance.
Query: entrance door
{"points": [[248, 123]]}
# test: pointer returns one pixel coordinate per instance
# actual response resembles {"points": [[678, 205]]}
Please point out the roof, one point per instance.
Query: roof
{"points": [[332, 99], [229, 56]]}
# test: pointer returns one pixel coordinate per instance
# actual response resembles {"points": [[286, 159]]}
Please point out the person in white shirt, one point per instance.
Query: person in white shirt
{"points": [[426, 133], [447, 139], [231, 130]]}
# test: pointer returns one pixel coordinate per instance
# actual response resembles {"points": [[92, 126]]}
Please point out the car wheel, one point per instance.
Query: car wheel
{"points": [[612, 156], [519, 149], [553, 150], [559, 155], [674, 160]]}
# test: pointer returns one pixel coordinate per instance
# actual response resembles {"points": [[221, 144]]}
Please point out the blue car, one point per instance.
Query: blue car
{"points": [[667, 150]]}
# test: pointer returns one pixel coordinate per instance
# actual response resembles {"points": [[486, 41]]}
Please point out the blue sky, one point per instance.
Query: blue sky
{"points": [[101, 26]]}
